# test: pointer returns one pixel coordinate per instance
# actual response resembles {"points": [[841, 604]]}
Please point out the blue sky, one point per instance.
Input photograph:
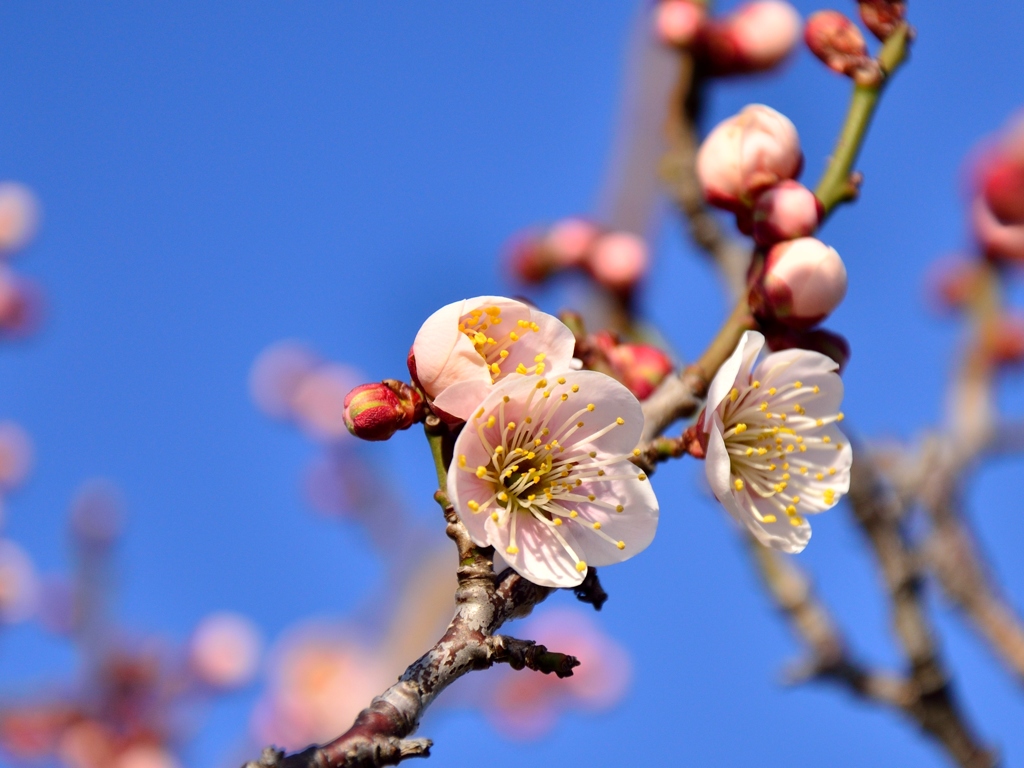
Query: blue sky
{"points": [[216, 177]]}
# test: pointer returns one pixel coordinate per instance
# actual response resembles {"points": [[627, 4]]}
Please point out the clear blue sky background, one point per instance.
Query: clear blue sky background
{"points": [[217, 176]]}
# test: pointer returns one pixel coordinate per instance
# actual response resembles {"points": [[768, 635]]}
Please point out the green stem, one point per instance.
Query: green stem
{"points": [[437, 451], [836, 185]]}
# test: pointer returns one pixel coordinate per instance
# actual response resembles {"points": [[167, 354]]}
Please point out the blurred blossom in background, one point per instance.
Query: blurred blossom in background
{"points": [[250, 209]]}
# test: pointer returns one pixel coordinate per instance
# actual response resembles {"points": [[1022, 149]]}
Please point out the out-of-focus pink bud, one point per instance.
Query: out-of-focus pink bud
{"points": [[746, 154], [19, 587], [376, 411], [619, 260], [838, 42], [803, 281], [319, 401], [19, 216], [97, 513], [677, 22], [1000, 242], [1005, 342], [882, 16], [785, 212], [15, 455], [146, 756], [569, 241], [276, 375], [527, 259], [225, 650], [21, 305], [526, 704], [756, 37], [827, 343], [953, 282], [639, 366], [1003, 187]]}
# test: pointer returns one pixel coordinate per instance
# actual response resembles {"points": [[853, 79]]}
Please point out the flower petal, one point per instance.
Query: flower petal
{"points": [[541, 557], [463, 398], [635, 526], [736, 367]]}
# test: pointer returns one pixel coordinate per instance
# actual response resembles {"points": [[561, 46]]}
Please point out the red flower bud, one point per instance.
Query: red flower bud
{"points": [[801, 283], [785, 212], [827, 343], [639, 366], [618, 260], [882, 16], [677, 22], [755, 37], [1005, 342], [837, 41], [376, 411]]}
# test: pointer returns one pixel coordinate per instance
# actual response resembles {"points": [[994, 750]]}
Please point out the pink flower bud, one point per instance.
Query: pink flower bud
{"points": [[837, 41], [1000, 242], [785, 212], [376, 411], [802, 282], [618, 260], [952, 283], [19, 216], [639, 366], [999, 175], [746, 154], [225, 650], [882, 16], [528, 260], [677, 22], [569, 241], [1005, 342], [830, 344], [763, 32]]}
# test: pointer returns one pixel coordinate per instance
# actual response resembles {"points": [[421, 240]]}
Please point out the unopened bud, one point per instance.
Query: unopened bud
{"points": [[677, 22], [19, 216], [954, 282], [1005, 341], [526, 259], [801, 283], [569, 241], [1000, 242], [785, 212], [754, 38], [618, 260], [838, 42], [882, 16], [1000, 176], [376, 411], [21, 305], [830, 344], [640, 367], [225, 650], [746, 154]]}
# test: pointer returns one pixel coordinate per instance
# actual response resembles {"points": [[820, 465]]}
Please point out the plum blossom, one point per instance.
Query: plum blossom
{"points": [[542, 473], [774, 452], [467, 347]]}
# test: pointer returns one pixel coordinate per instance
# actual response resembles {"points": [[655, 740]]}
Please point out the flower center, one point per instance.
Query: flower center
{"points": [[537, 468], [767, 434], [493, 345]]}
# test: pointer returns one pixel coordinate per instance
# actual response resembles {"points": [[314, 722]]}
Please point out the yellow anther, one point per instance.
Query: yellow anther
{"points": [[557, 521], [539, 358], [840, 416], [641, 477], [539, 368], [531, 497], [796, 499], [819, 423], [819, 476], [514, 336], [764, 407], [564, 397], [581, 566], [481, 472], [620, 421], [770, 518], [537, 442], [762, 451], [479, 414], [772, 390], [789, 448], [502, 496], [597, 526], [490, 421], [547, 393], [636, 451], [797, 384], [790, 510], [619, 507], [799, 409], [521, 369], [620, 544], [534, 327], [600, 473], [592, 454], [786, 465], [816, 389], [510, 426], [803, 470], [782, 416], [826, 439], [839, 446], [503, 354], [462, 460], [803, 448], [591, 406], [591, 496], [756, 385], [473, 505], [505, 399], [512, 550], [573, 513], [750, 451], [494, 516], [575, 387], [579, 424], [542, 383], [741, 428], [785, 475], [831, 470], [493, 311], [735, 393], [495, 368], [479, 338], [738, 484], [796, 520]]}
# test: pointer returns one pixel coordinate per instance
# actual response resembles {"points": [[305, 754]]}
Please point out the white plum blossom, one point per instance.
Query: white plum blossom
{"points": [[542, 473], [467, 347], [774, 453]]}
